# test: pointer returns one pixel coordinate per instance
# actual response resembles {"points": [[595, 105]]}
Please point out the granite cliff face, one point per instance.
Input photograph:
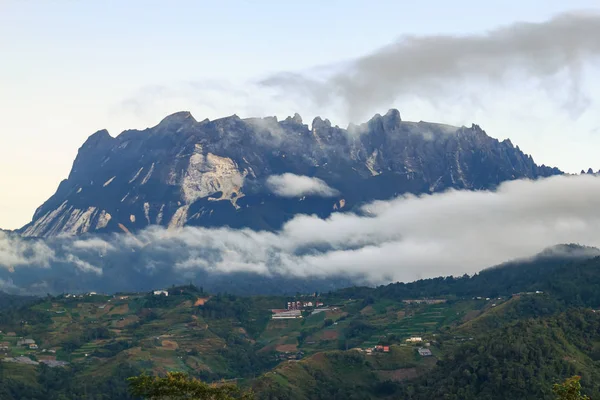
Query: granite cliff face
{"points": [[217, 173]]}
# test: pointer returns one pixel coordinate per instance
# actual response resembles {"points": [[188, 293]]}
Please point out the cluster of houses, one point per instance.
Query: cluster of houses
{"points": [[294, 309], [27, 343], [377, 349], [528, 293], [288, 355], [424, 301], [68, 295], [75, 296], [301, 305], [423, 351]]}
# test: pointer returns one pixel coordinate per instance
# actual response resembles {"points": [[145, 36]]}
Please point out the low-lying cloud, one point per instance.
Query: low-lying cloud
{"points": [[15, 252], [403, 239], [292, 185]]}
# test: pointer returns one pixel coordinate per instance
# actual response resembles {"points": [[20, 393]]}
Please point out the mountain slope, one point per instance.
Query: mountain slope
{"points": [[515, 348], [216, 173]]}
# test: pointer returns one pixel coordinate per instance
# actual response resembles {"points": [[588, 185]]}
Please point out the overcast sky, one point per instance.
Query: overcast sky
{"points": [[68, 69]]}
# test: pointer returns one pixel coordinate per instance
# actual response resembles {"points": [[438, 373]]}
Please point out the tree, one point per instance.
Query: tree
{"points": [[570, 389], [179, 386]]}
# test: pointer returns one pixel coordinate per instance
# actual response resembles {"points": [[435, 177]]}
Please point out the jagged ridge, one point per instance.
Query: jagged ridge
{"points": [[213, 173]]}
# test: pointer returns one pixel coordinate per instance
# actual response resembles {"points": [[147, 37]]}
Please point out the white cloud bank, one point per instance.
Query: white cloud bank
{"points": [[404, 239], [15, 252], [291, 185]]}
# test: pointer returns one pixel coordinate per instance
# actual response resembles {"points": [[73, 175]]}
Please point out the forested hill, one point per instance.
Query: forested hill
{"points": [[518, 361], [573, 277], [13, 301]]}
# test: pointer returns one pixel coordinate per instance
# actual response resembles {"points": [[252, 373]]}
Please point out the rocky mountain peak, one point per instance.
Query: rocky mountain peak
{"points": [[182, 172], [319, 123], [176, 120], [98, 138], [296, 119], [393, 116], [388, 122], [508, 142]]}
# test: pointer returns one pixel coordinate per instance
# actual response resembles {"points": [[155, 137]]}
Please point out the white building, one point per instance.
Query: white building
{"points": [[291, 314], [424, 352], [161, 292]]}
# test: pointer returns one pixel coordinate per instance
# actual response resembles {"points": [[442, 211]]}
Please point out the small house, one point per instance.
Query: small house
{"points": [[386, 349], [161, 293], [414, 339], [25, 342], [424, 352], [33, 346]]}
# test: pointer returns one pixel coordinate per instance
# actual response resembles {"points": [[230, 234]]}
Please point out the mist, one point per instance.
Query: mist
{"points": [[292, 185], [406, 238]]}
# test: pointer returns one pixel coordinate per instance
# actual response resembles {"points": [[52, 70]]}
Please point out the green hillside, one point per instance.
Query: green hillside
{"points": [[481, 346]]}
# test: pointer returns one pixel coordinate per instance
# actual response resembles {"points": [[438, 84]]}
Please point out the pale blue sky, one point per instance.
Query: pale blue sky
{"points": [[69, 68]]}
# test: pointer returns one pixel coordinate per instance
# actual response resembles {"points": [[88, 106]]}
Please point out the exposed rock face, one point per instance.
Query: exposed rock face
{"points": [[213, 173]]}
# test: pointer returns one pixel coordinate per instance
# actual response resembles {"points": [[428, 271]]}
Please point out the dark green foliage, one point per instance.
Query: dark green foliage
{"points": [[519, 361], [244, 360], [14, 301], [16, 318], [241, 309], [112, 349], [570, 389], [570, 279], [65, 384], [355, 333], [91, 333], [177, 386]]}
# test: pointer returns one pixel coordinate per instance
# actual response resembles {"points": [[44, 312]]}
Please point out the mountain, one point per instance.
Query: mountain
{"points": [[260, 172]]}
